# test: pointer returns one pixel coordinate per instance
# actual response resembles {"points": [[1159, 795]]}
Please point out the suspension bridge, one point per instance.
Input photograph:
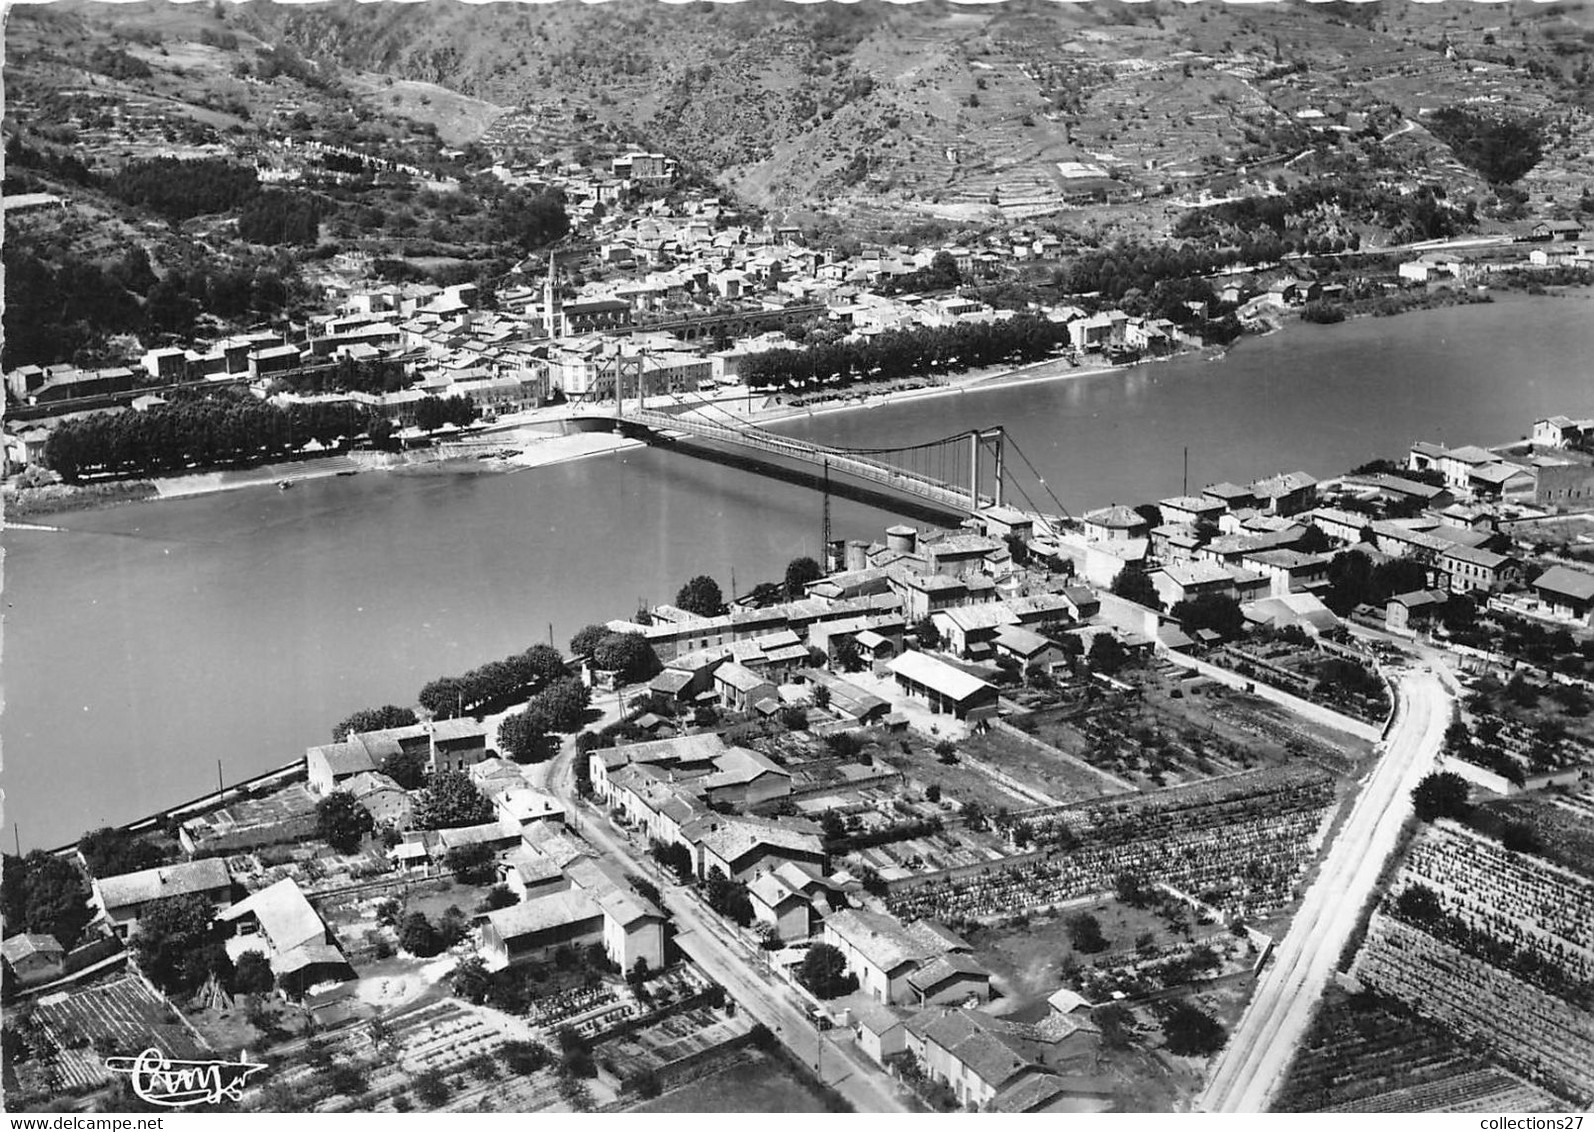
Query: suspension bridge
{"points": [[965, 473]]}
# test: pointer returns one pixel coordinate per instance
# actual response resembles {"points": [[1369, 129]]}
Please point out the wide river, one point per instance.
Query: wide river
{"points": [[149, 641]]}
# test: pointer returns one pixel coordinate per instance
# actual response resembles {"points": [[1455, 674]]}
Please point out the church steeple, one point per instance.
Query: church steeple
{"points": [[550, 303]]}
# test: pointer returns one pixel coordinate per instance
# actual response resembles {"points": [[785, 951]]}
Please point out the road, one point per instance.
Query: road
{"points": [[1251, 1066], [700, 933]]}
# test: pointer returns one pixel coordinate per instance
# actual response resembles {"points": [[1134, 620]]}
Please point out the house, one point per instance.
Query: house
{"points": [[1425, 268], [1565, 594], [1288, 571], [1560, 231], [1182, 581], [279, 922], [1409, 613], [1000, 1065], [744, 778], [1115, 524], [33, 958], [1232, 496], [1188, 510], [522, 806], [529, 873], [945, 688], [495, 835], [535, 928], [878, 1028], [1286, 494], [740, 846], [382, 798], [740, 688], [123, 899], [776, 903], [970, 630], [1029, 648], [329, 766], [953, 978], [882, 952], [1473, 568], [633, 930]]}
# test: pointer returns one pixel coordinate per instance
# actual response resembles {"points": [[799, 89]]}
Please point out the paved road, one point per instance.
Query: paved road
{"points": [[1252, 1064], [701, 935]]}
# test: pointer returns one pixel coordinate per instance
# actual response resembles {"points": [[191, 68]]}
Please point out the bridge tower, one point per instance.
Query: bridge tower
{"points": [[992, 440]]}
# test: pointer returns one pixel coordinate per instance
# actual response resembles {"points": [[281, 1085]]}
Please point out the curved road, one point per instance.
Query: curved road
{"points": [[1251, 1066]]}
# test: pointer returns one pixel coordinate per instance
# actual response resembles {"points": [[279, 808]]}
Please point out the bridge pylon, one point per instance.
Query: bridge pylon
{"points": [[992, 440]]}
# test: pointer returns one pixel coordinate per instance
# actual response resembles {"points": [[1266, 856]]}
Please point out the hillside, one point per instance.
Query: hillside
{"points": [[944, 109]]}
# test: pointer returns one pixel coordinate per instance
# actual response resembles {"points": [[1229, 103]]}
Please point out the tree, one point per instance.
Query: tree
{"points": [[561, 706], [925, 632], [728, 896], [498, 896], [1313, 541], [1117, 1025], [1084, 932], [849, 657], [521, 739], [1419, 904], [373, 719], [252, 974], [586, 640], [824, 972], [451, 800], [419, 937], [471, 864], [176, 944], [1192, 1032], [1442, 794], [110, 852], [1134, 584], [341, 821], [1107, 654], [524, 1058], [45, 894], [702, 596], [407, 768], [799, 572], [627, 655], [432, 1088]]}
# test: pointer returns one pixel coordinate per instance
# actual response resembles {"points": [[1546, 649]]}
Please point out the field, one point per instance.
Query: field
{"points": [[1366, 1054], [755, 1083]]}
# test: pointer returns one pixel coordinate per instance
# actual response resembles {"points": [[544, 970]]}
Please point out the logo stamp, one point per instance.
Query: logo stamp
{"points": [[160, 1080]]}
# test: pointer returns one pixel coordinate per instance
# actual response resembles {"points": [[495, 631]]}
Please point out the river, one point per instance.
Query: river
{"points": [[146, 642]]}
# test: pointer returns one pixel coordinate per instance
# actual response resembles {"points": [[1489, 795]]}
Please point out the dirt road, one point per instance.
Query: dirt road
{"points": [[1249, 1069]]}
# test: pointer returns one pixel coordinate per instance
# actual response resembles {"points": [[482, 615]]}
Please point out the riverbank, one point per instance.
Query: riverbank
{"points": [[63, 499]]}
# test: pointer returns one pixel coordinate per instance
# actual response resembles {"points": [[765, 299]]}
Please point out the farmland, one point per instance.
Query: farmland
{"points": [[1365, 1053]]}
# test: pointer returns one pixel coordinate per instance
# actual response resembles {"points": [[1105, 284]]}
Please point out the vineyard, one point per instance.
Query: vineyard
{"points": [[1366, 1054]]}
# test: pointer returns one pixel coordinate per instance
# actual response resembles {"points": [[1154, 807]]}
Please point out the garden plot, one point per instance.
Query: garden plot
{"points": [[922, 767], [119, 1018], [750, 1082], [1335, 680], [658, 1044]]}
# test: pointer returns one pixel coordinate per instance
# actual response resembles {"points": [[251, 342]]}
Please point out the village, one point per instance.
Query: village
{"points": [[670, 281], [1006, 817]]}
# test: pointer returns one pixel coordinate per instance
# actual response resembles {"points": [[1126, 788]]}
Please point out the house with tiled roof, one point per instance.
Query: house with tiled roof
{"points": [[740, 847], [279, 922], [1565, 593], [32, 958], [882, 953], [122, 899]]}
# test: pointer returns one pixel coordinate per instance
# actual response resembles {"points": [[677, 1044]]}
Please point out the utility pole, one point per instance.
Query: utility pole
{"points": [[1185, 490], [221, 786]]}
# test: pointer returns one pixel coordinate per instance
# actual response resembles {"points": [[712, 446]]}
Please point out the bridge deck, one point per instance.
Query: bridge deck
{"points": [[837, 459]]}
